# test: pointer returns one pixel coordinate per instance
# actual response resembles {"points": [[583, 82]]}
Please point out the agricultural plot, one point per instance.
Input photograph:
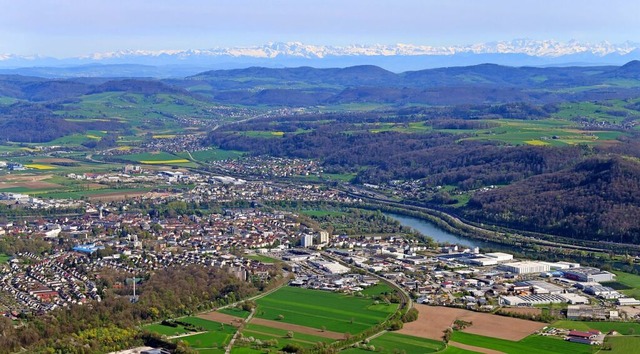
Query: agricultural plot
{"points": [[389, 342], [534, 344], [552, 132], [434, 320], [622, 344], [630, 284], [280, 337], [234, 311], [155, 158], [604, 327], [262, 134], [214, 336], [315, 309], [613, 111], [413, 127], [212, 155]]}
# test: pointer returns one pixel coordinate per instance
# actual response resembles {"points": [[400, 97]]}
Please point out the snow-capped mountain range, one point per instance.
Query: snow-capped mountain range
{"points": [[396, 57], [536, 48]]}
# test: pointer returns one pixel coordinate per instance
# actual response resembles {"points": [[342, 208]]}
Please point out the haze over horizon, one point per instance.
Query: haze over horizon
{"points": [[71, 28]]}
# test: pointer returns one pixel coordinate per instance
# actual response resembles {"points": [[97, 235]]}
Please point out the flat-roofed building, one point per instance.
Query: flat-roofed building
{"points": [[525, 267]]}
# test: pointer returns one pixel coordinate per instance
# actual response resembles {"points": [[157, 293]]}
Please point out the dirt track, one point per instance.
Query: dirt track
{"points": [[433, 320]]}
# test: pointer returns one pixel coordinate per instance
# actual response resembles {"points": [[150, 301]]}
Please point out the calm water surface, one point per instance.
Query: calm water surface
{"points": [[428, 229]]}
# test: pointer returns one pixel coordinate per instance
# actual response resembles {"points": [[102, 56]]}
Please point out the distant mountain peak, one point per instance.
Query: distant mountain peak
{"points": [[536, 48], [395, 57]]}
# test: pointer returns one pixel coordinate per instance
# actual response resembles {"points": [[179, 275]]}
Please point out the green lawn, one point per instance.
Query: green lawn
{"points": [[622, 344], [314, 308], [530, 345]]}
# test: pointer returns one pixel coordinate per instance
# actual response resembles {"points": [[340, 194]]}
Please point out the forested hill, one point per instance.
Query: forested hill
{"points": [[597, 199]]}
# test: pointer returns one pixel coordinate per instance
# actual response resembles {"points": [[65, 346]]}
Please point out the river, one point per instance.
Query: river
{"points": [[441, 236]]}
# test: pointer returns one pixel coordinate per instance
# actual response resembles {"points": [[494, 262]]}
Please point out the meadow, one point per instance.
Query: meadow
{"points": [[533, 344], [626, 283], [315, 309], [212, 340], [262, 258], [551, 132], [234, 311], [213, 155], [604, 327], [622, 344], [283, 336], [390, 342]]}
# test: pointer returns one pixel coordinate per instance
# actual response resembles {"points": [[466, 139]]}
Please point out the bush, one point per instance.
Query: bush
{"points": [[292, 348], [410, 316]]}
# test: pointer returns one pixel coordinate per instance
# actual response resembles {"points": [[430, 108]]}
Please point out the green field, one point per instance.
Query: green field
{"points": [[389, 342], [321, 213], [213, 155], [234, 311], [267, 333], [631, 281], [165, 330], [413, 127], [89, 193], [377, 289], [4, 258], [262, 258], [622, 344], [213, 340], [160, 157], [604, 327], [314, 308], [544, 132], [533, 344], [613, 111]]}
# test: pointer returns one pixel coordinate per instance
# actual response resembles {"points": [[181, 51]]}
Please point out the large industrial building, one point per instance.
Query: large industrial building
{"points": [[588, 274], [524, 267]]}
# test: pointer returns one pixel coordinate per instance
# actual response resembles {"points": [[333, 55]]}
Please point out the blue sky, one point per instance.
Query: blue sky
{"points": [[64, 28]]}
